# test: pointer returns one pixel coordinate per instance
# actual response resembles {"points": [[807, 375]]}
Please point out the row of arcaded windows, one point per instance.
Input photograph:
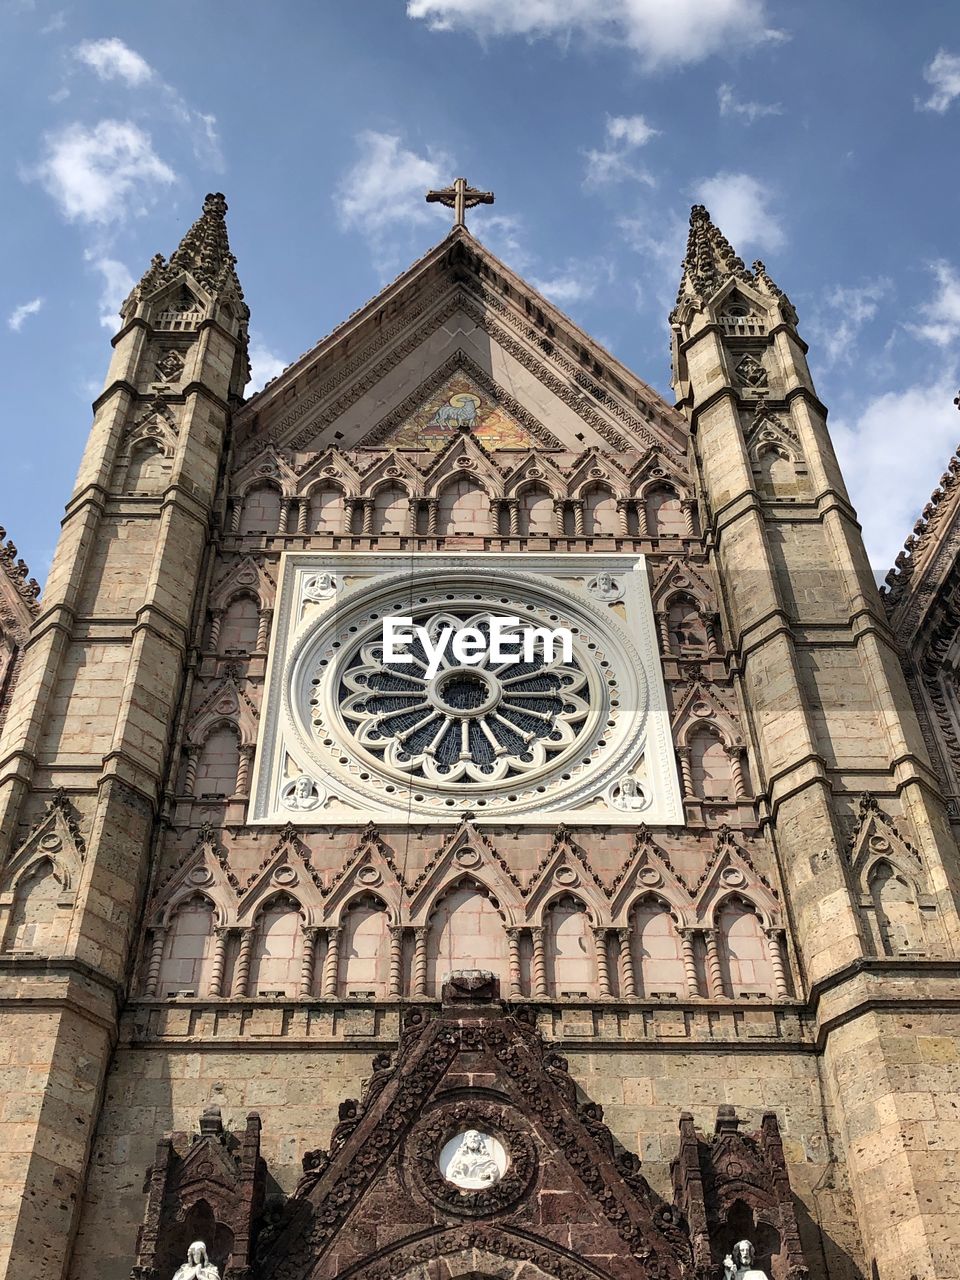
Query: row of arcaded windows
{"points": [[567, 957], [463, 507]]}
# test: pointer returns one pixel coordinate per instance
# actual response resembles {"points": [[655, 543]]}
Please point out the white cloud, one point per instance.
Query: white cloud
{"points": [[566, 288], [739, 206], [117, 283], [624, 135], [384, 192], [17, 316], [941, 315], [264, 365], [730, 105], [56, 23], [943, 75], [101, 174], [842, 314], [674, 34], [892, 453], [111, 59]]}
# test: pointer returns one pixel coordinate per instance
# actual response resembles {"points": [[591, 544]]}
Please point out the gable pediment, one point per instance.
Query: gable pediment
{"points": [[381, 375]]}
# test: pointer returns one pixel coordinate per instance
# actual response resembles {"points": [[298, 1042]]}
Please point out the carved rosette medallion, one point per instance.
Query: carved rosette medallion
{"points": [[505, 1132]]}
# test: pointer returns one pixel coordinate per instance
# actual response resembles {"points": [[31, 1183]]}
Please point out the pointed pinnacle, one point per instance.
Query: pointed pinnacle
{"points": [[710, 257]]}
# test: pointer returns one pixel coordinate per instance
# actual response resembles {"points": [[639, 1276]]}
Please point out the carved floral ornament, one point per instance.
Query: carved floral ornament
{"points": [[352, 721]]}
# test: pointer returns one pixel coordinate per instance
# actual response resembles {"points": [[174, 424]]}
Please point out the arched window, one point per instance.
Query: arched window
{"points": [[744, 955], [710, 767], [657, 953], [188, 948], [327, 510], [219, 763], [895, 905], [364, 964], [37, 922], [536, 512], [277, 950], [466, 932], [778, 475], [664, 513], [571, 956], [238, 630], [148, 469], [463, 508], [685, 626], [261, 510], [600, 513], [391, 510]]}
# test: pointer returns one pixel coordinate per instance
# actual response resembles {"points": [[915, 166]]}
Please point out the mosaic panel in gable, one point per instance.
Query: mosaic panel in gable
{"points": [[460, 405]]}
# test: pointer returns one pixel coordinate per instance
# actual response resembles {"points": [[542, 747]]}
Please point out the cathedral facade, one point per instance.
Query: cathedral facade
{"points": [[342, 941]]}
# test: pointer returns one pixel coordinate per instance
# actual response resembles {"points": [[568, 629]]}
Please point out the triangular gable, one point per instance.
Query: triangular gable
{"points": [[731, 874], [877, 838], [678, 577], [465, 854], [55, 838], [369, 869], [286, 870], [458, 399], [227, 703], [460, 296], [565, 869], [247, 577], [205, 870], [388, 1151], [648, 870]]}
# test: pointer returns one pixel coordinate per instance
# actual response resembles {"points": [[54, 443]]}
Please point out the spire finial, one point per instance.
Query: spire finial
{"points": [[460, 198]]}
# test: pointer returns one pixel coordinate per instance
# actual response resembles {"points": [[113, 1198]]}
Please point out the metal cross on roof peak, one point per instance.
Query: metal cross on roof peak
{"points": [[460, 198]]}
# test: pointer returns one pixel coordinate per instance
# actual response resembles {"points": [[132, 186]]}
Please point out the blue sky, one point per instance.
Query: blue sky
{"points": [[822, 137]]}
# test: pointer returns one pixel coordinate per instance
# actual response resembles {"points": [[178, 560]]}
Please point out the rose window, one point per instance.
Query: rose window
{"points": [[482, 722]]}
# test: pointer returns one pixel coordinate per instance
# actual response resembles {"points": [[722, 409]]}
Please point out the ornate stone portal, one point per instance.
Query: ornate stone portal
{"points": [[516, 1171]]}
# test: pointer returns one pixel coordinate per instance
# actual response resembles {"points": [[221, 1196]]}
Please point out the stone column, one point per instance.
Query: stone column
{"points": [[216, 622], [351, 508], [579, 521], [310, 935], [154, 962], [284, 514], [689, 962], [331, 961], [420, 960], [236, 514], [714, 968], [513, 942], [303, 515], [603, 960], [433, 516], [628, 980], [215, 985], [686, 773], [395, 981], [539, 962], [775, 948], [192, 752], [368, 510], [413, 509], [623, 511], [641, 509], [263, 629], [735, 756], [559, 509], [243, 769], [241, 977], [710, 627], [663, 629], [514, 506], [689, 506]]}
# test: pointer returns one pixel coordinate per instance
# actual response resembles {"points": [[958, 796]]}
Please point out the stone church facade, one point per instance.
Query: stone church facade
{"points": [[661, 933]]}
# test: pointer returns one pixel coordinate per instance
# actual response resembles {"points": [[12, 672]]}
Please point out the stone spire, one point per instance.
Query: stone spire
{"points": [[204, 252], [710, 261]]}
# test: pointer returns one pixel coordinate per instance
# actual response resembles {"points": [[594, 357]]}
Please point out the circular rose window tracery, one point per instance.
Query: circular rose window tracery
{"points": [[484, 722]]}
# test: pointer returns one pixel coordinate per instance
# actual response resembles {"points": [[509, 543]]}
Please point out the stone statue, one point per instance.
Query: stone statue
{"points": [[738, 1264], [301, 793], [627, 794], [197, 1267], [320, 587], [605, 587], [472, 1164]]}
